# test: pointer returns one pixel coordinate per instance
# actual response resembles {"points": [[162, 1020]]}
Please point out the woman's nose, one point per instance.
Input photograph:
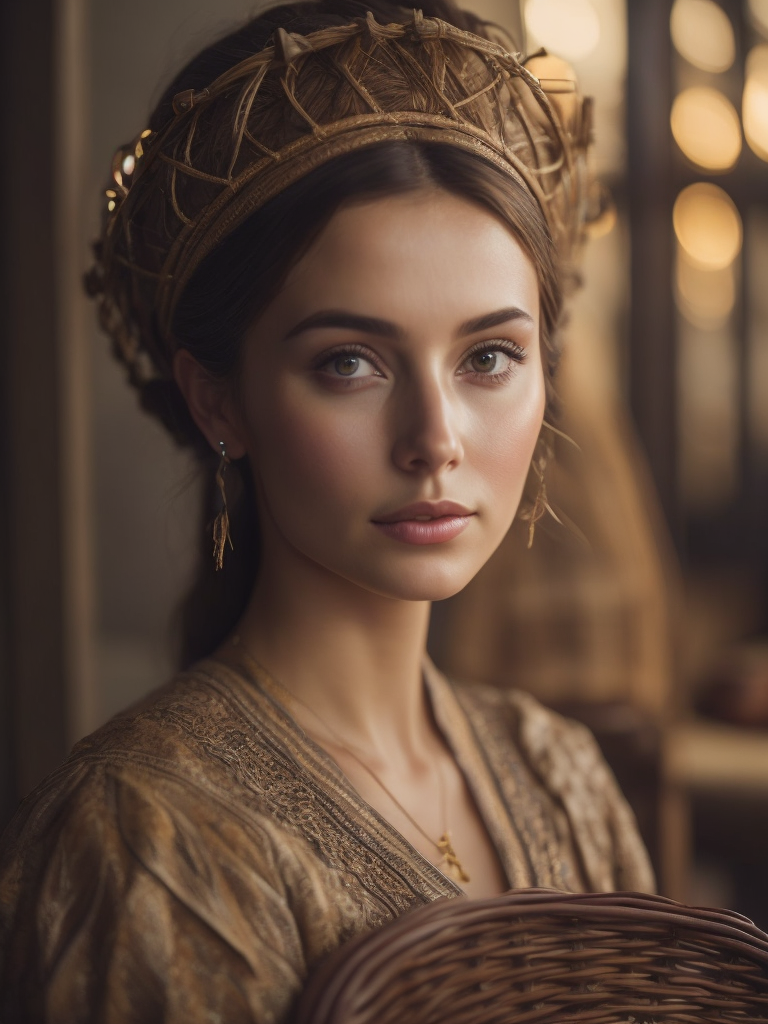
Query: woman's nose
{"points": [[427, 430]]}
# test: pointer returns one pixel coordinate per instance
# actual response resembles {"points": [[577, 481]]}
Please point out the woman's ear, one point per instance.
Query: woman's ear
{"points": [[210, 403]]}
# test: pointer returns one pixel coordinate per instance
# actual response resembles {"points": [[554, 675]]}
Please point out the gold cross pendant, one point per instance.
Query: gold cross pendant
{"points": [[452, 863]]}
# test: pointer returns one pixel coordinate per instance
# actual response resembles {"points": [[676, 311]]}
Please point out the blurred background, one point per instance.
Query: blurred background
{"points": [[645, 614]]}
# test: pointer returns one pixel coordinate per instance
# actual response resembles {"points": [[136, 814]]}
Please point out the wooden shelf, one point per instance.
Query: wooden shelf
{"points": [[703, 755]]}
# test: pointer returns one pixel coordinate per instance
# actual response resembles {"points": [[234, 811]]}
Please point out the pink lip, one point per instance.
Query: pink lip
{"points": [[448, 520], [433, 509]]}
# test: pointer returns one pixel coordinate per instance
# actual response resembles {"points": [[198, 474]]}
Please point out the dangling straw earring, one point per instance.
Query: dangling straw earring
{"points": [[221, 533], [540, 505]]}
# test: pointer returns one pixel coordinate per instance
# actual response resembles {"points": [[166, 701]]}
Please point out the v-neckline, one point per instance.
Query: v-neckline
{"points": [[456, 729], [458, 734]]}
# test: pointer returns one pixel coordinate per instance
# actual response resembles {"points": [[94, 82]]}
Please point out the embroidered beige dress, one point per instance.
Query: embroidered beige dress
{"points": [[195, 857]]}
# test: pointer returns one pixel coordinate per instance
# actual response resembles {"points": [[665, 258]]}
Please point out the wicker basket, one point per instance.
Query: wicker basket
{"points": [[537, 956]]}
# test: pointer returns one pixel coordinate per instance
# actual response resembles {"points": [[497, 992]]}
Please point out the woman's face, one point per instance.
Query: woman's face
{"points": [[391, 396]]}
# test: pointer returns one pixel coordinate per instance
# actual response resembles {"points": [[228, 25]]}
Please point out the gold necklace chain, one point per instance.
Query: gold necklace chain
{"points": [[444, 845]]}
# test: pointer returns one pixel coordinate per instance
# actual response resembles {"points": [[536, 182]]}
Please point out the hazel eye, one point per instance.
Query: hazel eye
{"points": [[492, 362], [486, 362], [347, 366]]}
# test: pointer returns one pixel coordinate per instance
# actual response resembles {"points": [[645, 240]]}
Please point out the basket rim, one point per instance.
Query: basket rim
{"points": [[367, 954]]}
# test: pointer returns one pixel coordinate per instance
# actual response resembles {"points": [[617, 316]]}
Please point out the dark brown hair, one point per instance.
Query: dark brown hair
{"points": [[239, 279]]}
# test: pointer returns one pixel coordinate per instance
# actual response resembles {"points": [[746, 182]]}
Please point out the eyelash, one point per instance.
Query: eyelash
{"points": [[353, 349], [514, 351]]}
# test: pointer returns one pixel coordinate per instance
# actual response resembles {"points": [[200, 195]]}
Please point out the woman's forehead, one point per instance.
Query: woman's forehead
{"points": [[423, 254]]}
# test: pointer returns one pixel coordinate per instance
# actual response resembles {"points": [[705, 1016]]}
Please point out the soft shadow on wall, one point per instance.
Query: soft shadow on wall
{"points": [[146, 491]]}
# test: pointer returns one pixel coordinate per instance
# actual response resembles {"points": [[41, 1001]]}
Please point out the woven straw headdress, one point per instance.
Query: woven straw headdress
{"points": [[295, 105]]}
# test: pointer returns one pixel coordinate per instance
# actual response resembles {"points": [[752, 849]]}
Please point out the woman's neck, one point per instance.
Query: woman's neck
{"points": [[352, 656]]}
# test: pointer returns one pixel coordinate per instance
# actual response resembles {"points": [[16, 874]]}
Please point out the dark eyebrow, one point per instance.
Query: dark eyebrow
{"points": [[386, 329], [347, 321], [495, 319]]}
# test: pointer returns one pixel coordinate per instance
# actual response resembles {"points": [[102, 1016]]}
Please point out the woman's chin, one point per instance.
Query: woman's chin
{"points": [[422, 584]]}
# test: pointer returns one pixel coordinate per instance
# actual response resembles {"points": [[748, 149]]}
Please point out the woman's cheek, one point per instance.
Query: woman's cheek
{"points": [[320, 450], [505, 438]]}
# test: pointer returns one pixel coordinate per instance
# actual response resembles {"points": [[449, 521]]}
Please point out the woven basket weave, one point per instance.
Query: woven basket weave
{"points": [[538, 956]]}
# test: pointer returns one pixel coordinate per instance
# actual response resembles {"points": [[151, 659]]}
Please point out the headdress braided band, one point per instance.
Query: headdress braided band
{"points": [[293, 106]]}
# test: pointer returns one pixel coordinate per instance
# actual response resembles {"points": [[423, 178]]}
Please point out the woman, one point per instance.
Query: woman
{"points": [[334, 264]]}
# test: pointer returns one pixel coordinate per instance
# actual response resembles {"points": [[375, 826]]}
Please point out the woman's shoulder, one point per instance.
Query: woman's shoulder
{"points": [[175, 720], [145, 855], [562, 752], [567, 761], [538, 730], [163, 757], [181, 763], [205, 729]]}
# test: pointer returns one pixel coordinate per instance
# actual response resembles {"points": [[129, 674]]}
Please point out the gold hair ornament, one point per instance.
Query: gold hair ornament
{"points": [[280, 113]]}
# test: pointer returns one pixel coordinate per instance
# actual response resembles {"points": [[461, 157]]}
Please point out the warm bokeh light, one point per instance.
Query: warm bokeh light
{"points": [[755, 101], [756, 63], [702, 33], [570, 28], [604, 222], [708, 396], [756, 266], [704, 297], [758, 9], [706, 127], [708, 226]]}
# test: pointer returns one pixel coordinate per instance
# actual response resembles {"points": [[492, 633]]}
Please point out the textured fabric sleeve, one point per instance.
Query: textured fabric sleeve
{"points": [[567, 759], [130, 899]]}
